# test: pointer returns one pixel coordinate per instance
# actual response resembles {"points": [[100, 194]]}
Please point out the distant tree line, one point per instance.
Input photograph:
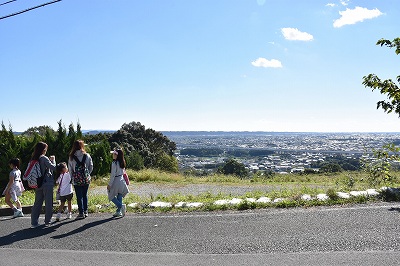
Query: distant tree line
{"points": [[214, 152], [233, 167], [249, 152], [202, 152], [144, 148], [338, 163]]}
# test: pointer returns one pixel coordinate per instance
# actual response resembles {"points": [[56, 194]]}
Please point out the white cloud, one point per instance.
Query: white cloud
{"points": [[358, 14], [293, 34], [345, 2], [262, 62], [331, 4]]}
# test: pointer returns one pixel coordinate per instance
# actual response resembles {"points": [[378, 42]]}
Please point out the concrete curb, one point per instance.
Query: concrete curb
{"points": [[25, 209], [9, 212]]}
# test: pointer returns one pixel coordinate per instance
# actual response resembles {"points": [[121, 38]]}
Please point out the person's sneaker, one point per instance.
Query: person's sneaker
{"points": [[58, 217], [47, 224], [123, 209], [80, 216], [18, 213], [69, 215], [34, 226], [85, 214], [117, 214]]}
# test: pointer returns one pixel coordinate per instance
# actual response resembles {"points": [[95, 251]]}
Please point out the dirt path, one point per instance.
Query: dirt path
{"points": [[146, 190]]}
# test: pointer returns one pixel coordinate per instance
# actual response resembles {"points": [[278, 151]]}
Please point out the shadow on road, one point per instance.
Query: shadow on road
{"points": [[394, 209], [83, 228], [29, 233]]}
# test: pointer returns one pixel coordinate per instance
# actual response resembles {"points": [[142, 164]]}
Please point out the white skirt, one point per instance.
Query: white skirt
{"points": [[16, 190]]}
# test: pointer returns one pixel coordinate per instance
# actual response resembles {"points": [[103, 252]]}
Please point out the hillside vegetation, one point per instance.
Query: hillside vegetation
{"points": [[144, 148], [290, 187], [150, 160]]}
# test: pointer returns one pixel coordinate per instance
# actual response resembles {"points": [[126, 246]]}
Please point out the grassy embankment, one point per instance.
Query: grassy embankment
{"points": [[290, 187]]}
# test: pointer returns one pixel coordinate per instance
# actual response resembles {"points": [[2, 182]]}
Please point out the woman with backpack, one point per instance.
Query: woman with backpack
{"points": [[80, 165], [44, 190]]}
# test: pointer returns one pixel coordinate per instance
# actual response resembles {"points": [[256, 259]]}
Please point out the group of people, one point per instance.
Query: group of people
{"points": [[63, 174]]}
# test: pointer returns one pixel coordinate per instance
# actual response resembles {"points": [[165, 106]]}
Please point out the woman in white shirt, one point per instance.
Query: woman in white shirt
{"points": [[117, 187]]}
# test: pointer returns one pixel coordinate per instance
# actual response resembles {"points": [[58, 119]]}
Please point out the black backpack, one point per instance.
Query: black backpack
{"points": [[81, 175]]}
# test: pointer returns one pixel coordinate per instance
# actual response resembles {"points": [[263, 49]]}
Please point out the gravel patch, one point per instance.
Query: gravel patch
{"points": [[145, 190]]}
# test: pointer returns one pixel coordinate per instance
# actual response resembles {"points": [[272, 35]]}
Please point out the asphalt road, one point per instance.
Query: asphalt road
{"points": [[356, 235]]}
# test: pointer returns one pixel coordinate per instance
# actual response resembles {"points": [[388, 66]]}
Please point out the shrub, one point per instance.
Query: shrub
{"points": [[390, 194], [331, 193], [245, 205]]}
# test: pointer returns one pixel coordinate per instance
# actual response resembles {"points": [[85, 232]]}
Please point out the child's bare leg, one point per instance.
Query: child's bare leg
{"points": [[61, 208], [18, 203], [8, 200], [70, 206]]}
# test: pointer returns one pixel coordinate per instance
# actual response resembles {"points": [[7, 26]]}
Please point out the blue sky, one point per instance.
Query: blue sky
{"points": [[214, 65]]}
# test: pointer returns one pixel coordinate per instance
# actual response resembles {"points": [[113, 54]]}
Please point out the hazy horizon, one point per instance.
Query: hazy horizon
{"points": [[241, 131]]}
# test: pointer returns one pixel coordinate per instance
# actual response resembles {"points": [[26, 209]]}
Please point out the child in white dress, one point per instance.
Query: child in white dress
{"points": [[65, 189], [14, 188]]}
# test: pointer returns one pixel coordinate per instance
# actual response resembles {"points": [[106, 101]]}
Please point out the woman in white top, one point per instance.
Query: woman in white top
{"points": [[117, 188]]}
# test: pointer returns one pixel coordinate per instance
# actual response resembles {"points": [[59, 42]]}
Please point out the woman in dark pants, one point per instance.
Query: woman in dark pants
{"points": [[76, 156]]}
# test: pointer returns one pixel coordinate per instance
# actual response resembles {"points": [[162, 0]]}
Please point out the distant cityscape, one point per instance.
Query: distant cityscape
{"points": [[284, 152]]}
